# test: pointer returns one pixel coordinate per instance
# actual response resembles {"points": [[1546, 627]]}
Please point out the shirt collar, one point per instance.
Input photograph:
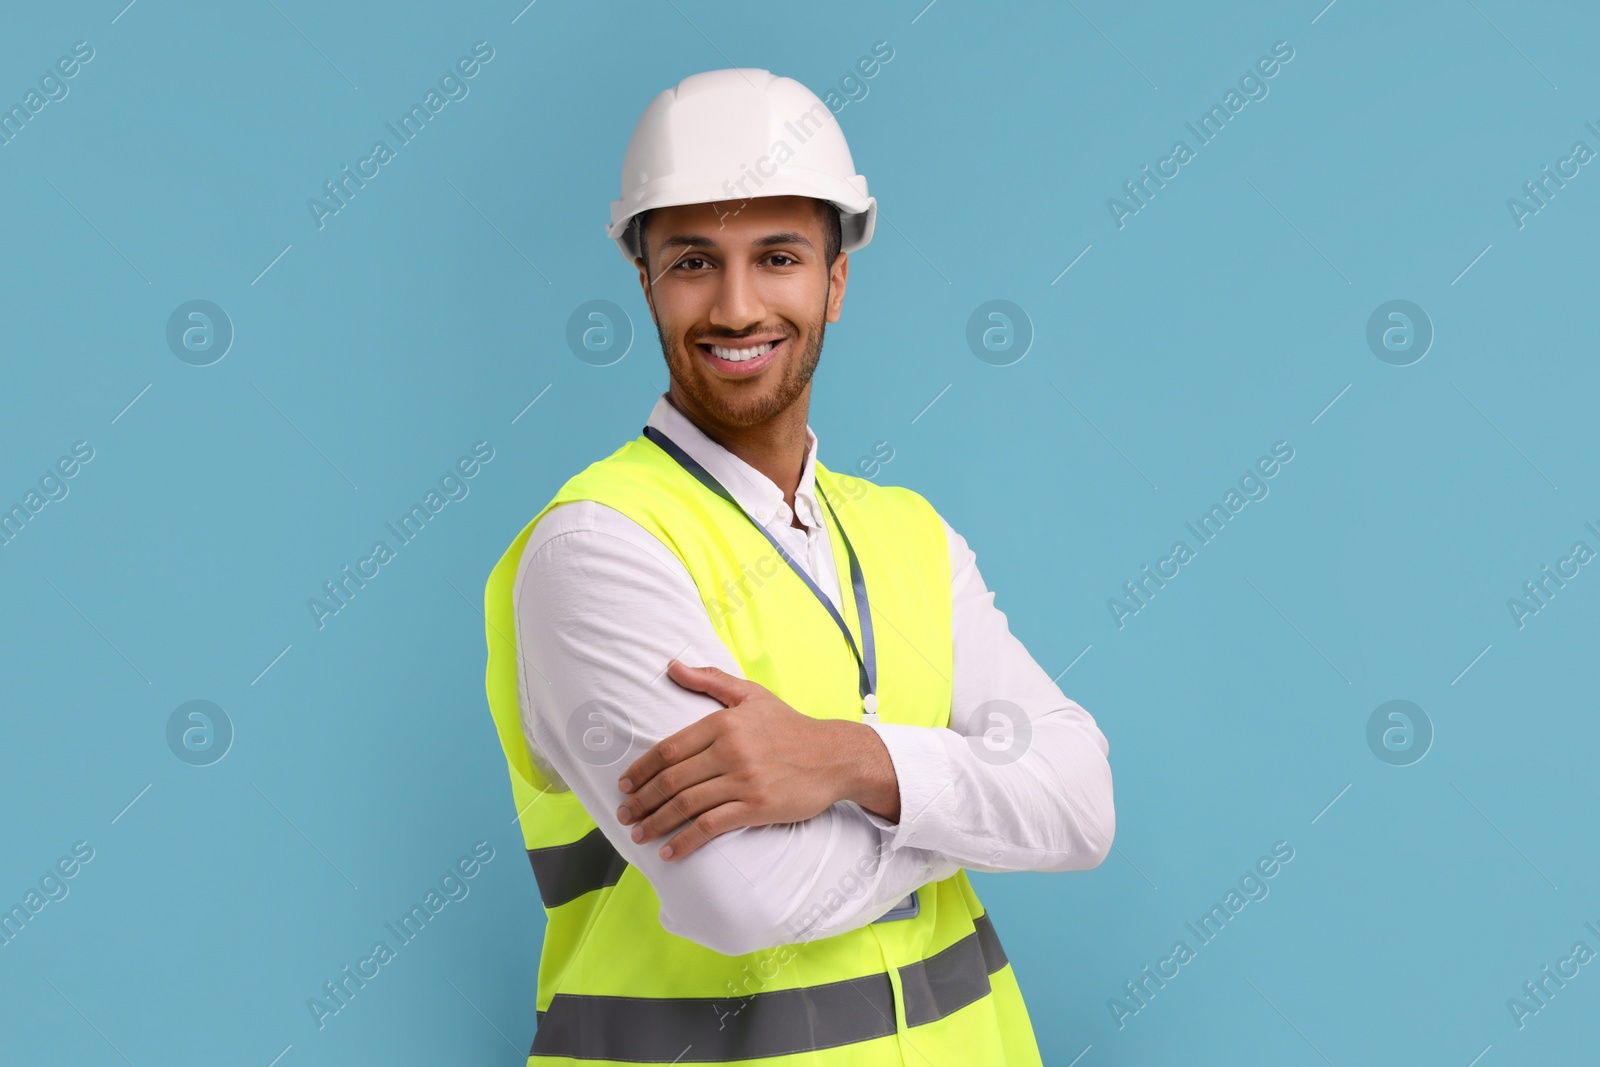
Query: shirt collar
{"points": [[755, 492]]}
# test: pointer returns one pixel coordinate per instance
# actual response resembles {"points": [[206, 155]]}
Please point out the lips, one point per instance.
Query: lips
{"points": [[742, 358]]}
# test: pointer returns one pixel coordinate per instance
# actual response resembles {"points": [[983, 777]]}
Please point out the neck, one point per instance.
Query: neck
{"points": [[776, 447]]}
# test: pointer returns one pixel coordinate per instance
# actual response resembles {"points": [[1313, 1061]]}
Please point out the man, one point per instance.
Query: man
{"points": [[759, 716]]}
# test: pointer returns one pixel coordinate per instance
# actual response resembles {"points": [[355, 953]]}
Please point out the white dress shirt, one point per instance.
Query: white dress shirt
{"points": [[601, 606]]}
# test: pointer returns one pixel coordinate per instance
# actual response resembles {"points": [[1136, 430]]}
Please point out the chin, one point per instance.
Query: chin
{"points": [[738, 404]]}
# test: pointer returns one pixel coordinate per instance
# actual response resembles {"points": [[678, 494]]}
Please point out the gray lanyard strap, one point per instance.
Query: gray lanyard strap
{"points": [[867, 665]]}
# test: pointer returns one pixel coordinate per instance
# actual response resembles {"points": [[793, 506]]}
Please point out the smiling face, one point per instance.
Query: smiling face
{"points": [[741, 293]]}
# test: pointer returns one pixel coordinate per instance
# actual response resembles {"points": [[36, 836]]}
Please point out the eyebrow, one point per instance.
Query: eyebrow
{"points": [[785, 237]]}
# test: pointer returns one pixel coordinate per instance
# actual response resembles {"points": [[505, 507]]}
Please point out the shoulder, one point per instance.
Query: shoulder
{"points": [[893, 499], [587, 526], [589, 507], [907, 506], [579, 540], [898, 504], [636, 462]]}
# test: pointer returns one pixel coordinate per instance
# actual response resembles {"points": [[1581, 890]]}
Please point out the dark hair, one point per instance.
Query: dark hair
{"points": [[832, 231]]}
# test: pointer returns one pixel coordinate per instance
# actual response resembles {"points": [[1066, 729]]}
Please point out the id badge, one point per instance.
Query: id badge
{"points": [[906, 909]]}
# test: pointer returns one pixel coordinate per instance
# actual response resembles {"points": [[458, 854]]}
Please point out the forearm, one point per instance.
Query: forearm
{"points": [[866, 771], [1019, 780], [1049, 809]]}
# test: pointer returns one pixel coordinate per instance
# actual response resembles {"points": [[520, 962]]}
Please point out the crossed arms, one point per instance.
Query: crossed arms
{"points": [[801, 827]]}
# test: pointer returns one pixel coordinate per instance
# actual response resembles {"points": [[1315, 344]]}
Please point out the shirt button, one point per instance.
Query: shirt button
{"points": [[763, 514]]}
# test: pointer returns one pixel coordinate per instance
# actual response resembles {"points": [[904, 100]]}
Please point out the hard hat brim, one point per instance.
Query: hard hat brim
{"points": [[858, 212]]}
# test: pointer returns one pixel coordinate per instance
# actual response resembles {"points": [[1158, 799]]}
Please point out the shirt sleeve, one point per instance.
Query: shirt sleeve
{"points": [[601, 606], [1020, 780]]}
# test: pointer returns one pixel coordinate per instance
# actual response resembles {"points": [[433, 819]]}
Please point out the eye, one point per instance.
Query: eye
{"points": [[691, 262], [782, 259]]}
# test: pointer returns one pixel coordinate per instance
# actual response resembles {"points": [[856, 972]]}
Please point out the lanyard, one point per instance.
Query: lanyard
{"points": [[867, 667]]}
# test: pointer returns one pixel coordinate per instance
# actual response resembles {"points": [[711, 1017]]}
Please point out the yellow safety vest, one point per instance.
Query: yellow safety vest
{"points": [[614, 985]]}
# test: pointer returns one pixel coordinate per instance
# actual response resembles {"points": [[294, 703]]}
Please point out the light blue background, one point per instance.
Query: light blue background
{"points": [[1225, 316]]}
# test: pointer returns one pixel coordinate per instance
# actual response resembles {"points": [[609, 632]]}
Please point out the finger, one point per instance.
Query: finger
{"points": [[649, 797], [686, 806], [674, 748], [717, 821], [714, 683]]}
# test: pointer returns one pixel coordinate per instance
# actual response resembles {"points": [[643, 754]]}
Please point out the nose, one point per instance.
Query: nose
{"points": [[738, 305]]}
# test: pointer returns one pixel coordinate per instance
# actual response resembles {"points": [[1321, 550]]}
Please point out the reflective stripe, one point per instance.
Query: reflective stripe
{"points": [[953, 978], [716, 1029], [567, 872], [778, 1023]]}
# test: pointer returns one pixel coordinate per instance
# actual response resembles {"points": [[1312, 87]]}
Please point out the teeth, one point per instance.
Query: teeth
{"points": [[739, 355]]}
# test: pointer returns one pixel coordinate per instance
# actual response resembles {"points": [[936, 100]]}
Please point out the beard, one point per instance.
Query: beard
{"points": [[745, 404]]}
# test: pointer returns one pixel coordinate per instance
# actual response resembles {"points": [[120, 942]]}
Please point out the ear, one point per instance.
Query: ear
{"points": [[644, 283], [838, 275]]}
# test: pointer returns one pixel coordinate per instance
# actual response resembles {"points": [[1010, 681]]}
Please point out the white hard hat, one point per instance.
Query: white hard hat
{"points": [[738, 134]]}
